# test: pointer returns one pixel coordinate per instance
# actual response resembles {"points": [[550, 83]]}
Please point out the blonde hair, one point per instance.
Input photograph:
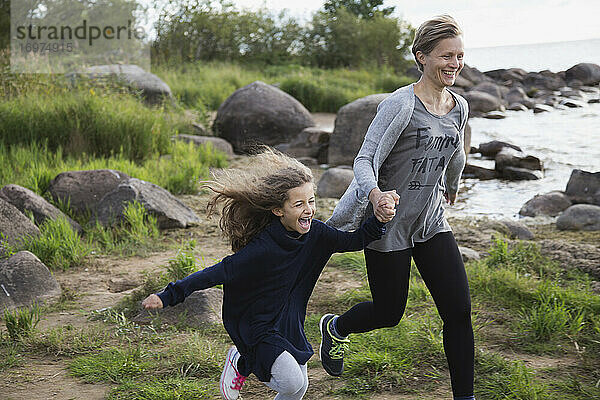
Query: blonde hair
{"points": [[431, 32], [248, 196]]}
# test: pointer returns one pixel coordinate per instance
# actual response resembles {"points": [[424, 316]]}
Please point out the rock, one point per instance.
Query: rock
{"points": [[540, 108], [311, 142], [334, 182], [587, 73], [508, 157], [24, 279], [580, 217], [260, 113], [83, 190], [494, 115], [520, 174], [517, 107], [571, 103], [517, 230], [571, 93], [543, 80], [473, 75], [468, 254], [119, 285], [518, 95], [351, 124], [481, 102], [593, 101], [490, 149], [462, 82], [218, 143], [504, 76], [491, 88], [200, 308], [584, 187], [24, 199], [199, 129], [153, 89], [168, 210], [551, 204], [308, 161], [14, 225], [484, 174]]}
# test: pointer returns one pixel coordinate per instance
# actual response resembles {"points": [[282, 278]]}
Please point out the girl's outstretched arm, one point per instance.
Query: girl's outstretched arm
{"points": [[341, 241], [176, 292]]}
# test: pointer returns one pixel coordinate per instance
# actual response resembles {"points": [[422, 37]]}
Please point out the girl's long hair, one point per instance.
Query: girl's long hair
{"points": [[247, 196]]}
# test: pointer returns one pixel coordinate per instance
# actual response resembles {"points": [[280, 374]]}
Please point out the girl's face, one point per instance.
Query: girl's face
{"points": [[445, 61], [299, 209]]}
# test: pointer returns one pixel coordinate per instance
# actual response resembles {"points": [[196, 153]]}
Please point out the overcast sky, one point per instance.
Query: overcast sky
{"points": [[486, 22]]}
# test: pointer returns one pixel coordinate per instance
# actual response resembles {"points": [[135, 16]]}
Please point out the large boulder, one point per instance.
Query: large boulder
{"points": [[216, 142], [586, 73], [580, 217], [334, 182], [260, 114], [507, 76], [351, 124], [490, 149], [518, 95], [153, 89], [543, 80], [482, 102], [509, 157], [24, 279], [310, 143], [584, 187], [473, 74], [14, 225], [83, 190], [200, 308], [168, 210], [551, 204], [26, 200], [491, 88]]}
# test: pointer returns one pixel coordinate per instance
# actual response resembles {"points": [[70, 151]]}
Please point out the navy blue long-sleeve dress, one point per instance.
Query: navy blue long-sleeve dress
{"points": [[266, 287]]}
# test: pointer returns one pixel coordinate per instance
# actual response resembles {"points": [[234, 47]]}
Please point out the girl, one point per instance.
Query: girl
{"points": [[415, 146], [279, 253]]}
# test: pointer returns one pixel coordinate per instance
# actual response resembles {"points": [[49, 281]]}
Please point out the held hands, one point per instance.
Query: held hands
{"points": [[152, 302], [384, 204]]}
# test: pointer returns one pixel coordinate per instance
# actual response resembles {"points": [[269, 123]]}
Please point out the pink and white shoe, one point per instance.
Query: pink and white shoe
{"points": [[231, 380]]}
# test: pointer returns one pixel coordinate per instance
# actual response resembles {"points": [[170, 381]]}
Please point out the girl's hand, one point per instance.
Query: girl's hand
{"points": [[385, 206], [152, 302]]}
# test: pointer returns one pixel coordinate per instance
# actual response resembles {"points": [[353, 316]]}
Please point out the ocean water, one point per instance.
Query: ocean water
{"points": [[555, 57], [563, 139]]}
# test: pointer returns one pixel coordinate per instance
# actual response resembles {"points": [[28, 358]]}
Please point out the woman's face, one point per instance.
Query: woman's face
{"points": [[445, 61]]}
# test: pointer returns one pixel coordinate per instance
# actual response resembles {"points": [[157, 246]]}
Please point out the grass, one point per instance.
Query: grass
{"points": [[204, 86], [21, 322]]}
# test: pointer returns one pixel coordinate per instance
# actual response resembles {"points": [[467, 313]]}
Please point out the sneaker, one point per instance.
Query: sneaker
{"points": [[332, 348], [231, 380]]}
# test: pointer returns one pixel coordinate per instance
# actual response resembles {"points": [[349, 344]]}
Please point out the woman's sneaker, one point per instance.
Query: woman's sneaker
{"points": [[332, 348], [231, 380]]}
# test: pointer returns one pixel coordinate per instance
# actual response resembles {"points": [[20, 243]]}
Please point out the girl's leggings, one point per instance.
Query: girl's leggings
{"points": [[288, 378], [440, 264]]}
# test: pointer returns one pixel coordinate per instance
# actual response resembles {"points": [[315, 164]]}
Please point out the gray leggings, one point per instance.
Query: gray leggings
{"points": [[288, 378]]}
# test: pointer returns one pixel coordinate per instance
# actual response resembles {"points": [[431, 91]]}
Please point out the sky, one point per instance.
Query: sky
{"points": [[486, 23]]}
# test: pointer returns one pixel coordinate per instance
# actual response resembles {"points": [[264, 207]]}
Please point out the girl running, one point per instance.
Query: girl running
{"points": [[279, 253]]}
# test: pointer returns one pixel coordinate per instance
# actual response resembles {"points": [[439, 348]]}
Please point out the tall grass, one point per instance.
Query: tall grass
{"points": [[205, 86], [21, 322]]}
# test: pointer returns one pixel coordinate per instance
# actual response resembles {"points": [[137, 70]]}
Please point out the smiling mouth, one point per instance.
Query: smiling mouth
{"points": [[450, 74], [304, 223]]}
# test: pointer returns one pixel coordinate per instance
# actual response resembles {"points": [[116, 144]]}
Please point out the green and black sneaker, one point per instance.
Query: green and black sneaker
{"points": [[332, 348]]}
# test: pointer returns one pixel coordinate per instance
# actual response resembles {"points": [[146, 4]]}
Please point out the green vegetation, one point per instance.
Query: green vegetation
{"points": [[21, 322]]}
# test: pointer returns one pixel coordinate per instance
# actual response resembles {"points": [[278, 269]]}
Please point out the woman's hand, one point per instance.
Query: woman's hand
{"points": [[450, 198], [152, 302], [384, 204]]}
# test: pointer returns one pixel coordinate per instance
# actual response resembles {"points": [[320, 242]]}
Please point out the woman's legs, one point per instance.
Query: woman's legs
{"points": [[288, 378], [388, 275], [441, 266]]}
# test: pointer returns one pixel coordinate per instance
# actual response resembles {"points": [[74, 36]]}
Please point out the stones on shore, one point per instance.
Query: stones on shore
{"points": [[584, 187], [310, 143], [24, 279], [351, 124], [550, 204], [334, 182], [14, 226], [200, 308], [580, 217], [260, 114], [586, 73], [510, 163]]}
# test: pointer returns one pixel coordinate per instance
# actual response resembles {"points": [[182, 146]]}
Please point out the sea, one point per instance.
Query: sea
{"points": [[563, 139]]}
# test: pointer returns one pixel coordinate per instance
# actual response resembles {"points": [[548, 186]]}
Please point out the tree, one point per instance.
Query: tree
{"points": [[366, 9]]}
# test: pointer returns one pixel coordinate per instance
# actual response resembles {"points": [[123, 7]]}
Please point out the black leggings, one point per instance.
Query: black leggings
{"points": [[441, 266]]}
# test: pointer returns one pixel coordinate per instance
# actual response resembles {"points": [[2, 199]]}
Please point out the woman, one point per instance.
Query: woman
{"points": [[414, 146]]}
